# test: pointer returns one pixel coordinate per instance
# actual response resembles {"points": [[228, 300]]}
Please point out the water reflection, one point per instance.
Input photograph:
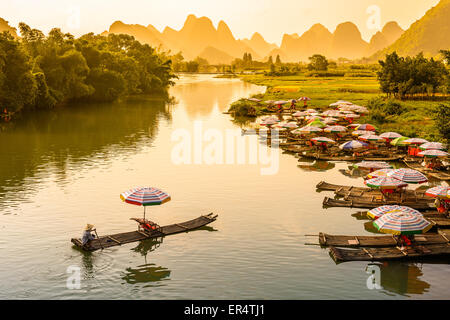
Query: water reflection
{"points": [[397, 277], [147, 272], [72, 137], [317, 166]]}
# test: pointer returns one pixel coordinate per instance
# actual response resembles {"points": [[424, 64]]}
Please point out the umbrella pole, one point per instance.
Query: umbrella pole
{"points": [[144, 212]]}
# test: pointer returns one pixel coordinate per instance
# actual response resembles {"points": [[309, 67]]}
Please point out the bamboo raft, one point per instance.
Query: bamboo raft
{"points": [[350, 158], [390, 253], [357, 202], [327, 240], [429, 172], [344, 191], [133, 236]]}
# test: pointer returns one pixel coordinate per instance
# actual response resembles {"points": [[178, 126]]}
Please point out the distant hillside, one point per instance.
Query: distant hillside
{"points": [[429, 34], [382, 39], [215, 56]]}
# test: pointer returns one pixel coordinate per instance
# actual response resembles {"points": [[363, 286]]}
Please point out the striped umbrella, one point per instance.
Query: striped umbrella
{"points": [[415, 141], [352, 116], [438, 192], [366, 127], [323, 140], [335, 129], [380, 211], [372, 165], [350, 145], [432, 146], [311, 111], [361, 133], [408, 175], [290, 125], [370, 137], [400, 141], [379, 173], [433, 153], [145, 196], [304, 99], [390, 135], [309, 129], [398, 222], [385, 183], [316, 123]]}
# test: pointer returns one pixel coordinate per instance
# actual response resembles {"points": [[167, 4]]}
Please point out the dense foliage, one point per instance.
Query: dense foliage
{"points": [[412, 76], [38, 71]]}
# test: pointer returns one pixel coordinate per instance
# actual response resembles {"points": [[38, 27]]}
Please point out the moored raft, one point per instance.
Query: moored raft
{"points": [[390, 253], [440, 175], [327, 240], [370, 203], [133, 236], [351, 158]]}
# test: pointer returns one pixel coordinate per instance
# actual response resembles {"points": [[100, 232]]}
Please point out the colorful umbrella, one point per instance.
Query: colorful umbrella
{"points": [[145, 196], [438, 192], [323, 140], [381, 211], [372, 165], [349, 145], [300, 114], [290, 125], [316, 123], [370, 137], [432, 146], [408, 176], [335, 129], [415, 141], [304, 99], [433, 153], [366, 127], [400, 141], [385, 183], [311, 111], [361, 133], [390, 135], [379, 173], [309, 129], [402, 223]]}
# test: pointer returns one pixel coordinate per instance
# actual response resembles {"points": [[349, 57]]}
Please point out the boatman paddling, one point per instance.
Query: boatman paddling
{"points": [[87, 234]]}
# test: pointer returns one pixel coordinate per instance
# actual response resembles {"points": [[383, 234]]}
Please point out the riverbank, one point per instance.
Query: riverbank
{"points": [[412, 118]]}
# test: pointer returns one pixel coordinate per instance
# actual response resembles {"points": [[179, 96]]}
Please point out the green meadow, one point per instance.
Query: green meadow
{"points": [[412, 118]]}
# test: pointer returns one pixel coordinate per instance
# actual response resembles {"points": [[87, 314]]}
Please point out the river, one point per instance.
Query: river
{"points": [[64, 168]]}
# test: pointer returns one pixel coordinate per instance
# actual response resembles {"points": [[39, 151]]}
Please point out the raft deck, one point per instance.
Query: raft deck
{"points": [[133, 236], [327, 240], [357, 202], [440, 175], [390, 253]]}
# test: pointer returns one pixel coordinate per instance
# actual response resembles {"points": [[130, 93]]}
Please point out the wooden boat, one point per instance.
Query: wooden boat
{"points": [[357, 202], [327, 240], [133, 236], [345, 191], [294, 149], [351, 158], [390, 253], [440, 175]]}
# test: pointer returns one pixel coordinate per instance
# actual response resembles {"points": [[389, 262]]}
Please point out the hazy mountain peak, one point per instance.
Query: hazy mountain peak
{"points": [[4, 26], [257, 37]]}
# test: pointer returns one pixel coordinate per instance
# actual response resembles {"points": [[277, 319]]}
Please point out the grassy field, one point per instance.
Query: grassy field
{"points": [[416, 119]]}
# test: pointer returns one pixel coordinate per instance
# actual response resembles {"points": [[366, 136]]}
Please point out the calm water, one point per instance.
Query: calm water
{"points": [[63, 169]]}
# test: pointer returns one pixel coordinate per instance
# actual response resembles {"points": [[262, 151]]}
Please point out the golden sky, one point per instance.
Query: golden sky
{"points": [[271, 18]]}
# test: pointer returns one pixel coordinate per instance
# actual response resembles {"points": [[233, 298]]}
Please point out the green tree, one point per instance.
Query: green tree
{"points": [[318, 63], [17, 83]]}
